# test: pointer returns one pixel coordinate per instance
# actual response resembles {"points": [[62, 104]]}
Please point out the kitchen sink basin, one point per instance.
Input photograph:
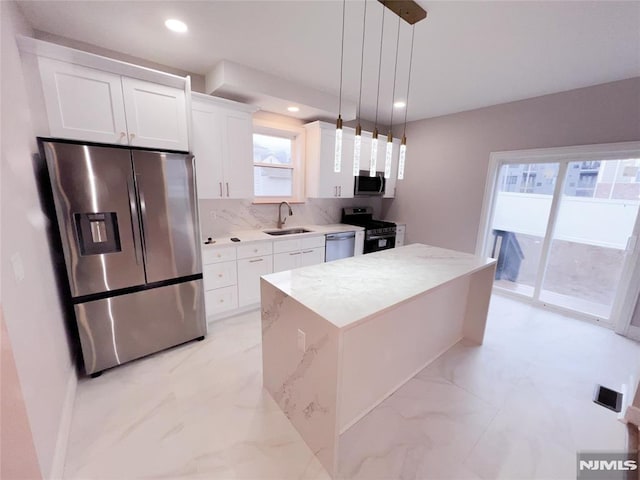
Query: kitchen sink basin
{"points": [[288, 231]]}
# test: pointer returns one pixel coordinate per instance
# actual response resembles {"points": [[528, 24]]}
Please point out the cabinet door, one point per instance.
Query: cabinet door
{"points": [[238, 155], [207, 149], [217, 275], [390, 184], [220, 300], [83, 103], [249, 272], [312, 256], [156, 115], [400, 229], [286, 261], [359, 246]]}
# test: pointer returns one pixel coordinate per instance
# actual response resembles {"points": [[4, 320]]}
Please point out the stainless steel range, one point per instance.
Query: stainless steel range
{"points": [[379, 235]]}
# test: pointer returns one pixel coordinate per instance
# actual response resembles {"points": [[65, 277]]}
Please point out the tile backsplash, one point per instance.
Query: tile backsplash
{"points": [[220, 217]]}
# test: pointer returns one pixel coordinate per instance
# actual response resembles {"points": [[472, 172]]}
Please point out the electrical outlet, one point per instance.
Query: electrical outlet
{"points": [[18, 268], [302, 341]]}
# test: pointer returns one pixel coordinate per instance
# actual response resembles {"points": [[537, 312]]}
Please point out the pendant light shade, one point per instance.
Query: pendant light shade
{"points": [[401, 160], [374, 153], [388, 156], [337, 161], [357, 147]]}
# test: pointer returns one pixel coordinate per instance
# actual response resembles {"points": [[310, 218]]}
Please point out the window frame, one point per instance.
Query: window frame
{"points": [[297, 136]]}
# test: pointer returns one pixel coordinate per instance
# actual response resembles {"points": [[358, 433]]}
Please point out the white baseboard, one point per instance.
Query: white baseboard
{"points": [[64, 429], [633, 332]]}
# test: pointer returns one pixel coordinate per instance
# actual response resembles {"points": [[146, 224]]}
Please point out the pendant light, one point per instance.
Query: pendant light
{"points": [[337, 162], [389, 154], [374, 137], [403, 144], [357, 142]]}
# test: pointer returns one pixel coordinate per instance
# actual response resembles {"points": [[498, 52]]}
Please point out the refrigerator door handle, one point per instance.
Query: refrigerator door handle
{"points": [[143, 214], [135, 221]]}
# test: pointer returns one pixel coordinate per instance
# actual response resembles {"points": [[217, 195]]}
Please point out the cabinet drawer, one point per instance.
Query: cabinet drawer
{"points": [[312, 242], [312, 256], [221, 300], [219, 254], [291, 245], [255, 250], [218, 275]]}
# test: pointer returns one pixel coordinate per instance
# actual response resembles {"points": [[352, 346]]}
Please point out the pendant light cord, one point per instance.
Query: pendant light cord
{"points": [[395, 72], [364, 23], [379, 67], [341, 59], [406, 108]]}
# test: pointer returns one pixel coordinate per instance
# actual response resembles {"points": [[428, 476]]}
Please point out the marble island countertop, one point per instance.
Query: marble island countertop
{"points": [[248, 236], [348, 291]]}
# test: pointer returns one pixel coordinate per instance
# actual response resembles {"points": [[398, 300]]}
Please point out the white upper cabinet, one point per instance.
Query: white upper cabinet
{"points": [[83, 103], [223, 146], [321, 180], [156, 115], [94, 105]]}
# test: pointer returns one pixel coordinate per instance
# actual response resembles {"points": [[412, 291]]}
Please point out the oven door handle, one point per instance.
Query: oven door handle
{"points": [[380, 237]]}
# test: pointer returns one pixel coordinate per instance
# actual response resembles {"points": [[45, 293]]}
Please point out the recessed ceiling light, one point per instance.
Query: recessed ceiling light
{"points": [[176, 25], [400, 104], [293, 109]]}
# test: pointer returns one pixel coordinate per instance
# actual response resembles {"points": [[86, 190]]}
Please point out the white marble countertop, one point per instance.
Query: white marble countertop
{"points": [[248, 236], [348, 291]]}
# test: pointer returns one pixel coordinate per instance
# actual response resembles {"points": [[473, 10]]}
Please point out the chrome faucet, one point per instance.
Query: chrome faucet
{"points": [[280, 219]]}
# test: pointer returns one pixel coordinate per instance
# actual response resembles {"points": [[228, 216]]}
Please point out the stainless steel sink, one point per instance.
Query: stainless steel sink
{"points": [[288, 231]]}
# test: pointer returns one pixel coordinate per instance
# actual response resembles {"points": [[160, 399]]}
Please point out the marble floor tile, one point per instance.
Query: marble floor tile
{"points": [[517, 407]]}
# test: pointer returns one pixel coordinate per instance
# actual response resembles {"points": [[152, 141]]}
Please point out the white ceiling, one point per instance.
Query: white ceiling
{"points": [[468, 54]]}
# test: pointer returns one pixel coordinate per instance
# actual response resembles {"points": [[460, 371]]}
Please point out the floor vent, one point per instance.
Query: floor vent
{"points": [[607, 398]]}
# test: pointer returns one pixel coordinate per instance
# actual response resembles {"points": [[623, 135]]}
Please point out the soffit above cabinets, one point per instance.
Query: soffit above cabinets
{"points": [[244, 84]]}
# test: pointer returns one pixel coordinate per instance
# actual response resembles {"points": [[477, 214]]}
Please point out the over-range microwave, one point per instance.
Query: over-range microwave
{"points": [[367, 186]]}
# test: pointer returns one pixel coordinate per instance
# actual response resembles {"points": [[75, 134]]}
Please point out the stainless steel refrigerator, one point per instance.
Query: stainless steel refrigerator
{"points": [[129, 230]]}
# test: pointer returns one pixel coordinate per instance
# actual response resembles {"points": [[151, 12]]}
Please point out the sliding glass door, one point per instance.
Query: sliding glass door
{"points": [[597, 212], [519, 227], [562, 226]]}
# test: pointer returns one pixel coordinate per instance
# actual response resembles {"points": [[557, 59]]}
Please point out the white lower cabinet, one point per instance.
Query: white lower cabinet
{"points": [[231, 274], [312, 256], [298, 252], [359, 245], [249, 272], [287, 261], [400, 229], [221, 300]]}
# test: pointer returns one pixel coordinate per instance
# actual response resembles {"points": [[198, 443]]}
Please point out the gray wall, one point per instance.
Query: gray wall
{"points": [[441, 197], [32, 310]]}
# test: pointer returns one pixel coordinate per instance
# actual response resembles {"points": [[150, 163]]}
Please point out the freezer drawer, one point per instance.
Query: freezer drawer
{"points": [[119, 329]]}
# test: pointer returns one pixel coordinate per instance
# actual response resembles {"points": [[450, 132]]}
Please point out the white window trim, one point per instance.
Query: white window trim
{"points": [[297, 135], [625, 300]]}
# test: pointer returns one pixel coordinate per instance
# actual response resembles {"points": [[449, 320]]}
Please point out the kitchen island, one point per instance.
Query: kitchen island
{"points": [[338, 338]]}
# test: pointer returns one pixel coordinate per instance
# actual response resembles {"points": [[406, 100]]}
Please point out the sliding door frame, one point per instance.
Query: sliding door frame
{"points": [[629, 288]]}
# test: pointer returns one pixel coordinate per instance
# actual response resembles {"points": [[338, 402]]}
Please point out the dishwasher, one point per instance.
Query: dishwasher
{"points": [[339, 245]]}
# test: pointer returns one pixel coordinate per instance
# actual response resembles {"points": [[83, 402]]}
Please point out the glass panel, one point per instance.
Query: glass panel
{"points": [[522, 206], [272, 182], [597, 212], [270, 149]]}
